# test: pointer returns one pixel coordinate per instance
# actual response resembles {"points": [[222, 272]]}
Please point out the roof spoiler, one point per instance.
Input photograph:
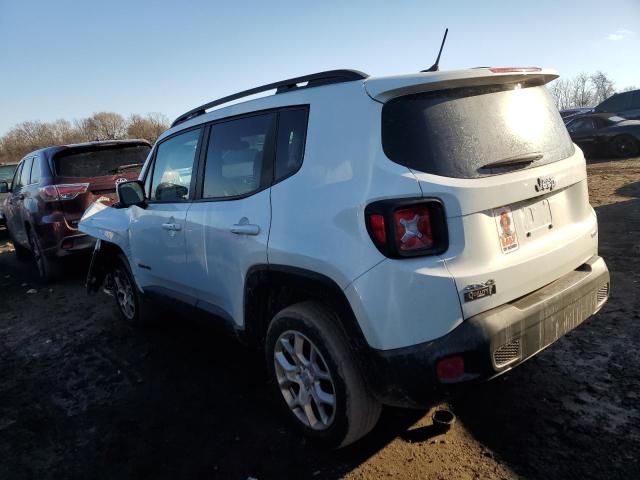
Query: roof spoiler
{"points": [[386, 88]]}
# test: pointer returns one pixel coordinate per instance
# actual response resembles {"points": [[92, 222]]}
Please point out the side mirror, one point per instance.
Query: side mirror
{"points": [[131, 193], [4, 187]]}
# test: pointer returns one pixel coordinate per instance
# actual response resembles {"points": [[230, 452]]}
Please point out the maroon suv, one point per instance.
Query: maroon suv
{"points": [[51, 189]]}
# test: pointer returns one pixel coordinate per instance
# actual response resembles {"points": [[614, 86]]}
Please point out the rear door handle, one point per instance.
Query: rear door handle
{"points": [[174, 227], [245, 229]]}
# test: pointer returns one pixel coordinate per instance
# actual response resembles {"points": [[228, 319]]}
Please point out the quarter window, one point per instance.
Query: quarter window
{"points": [[173, 167], [292, 130], [238, 162]]}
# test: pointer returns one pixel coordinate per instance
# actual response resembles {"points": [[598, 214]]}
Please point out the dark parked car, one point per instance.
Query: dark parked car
{"points": [[570, 113], [604, 133], [6, 175], [51, 189], [624, 104]]}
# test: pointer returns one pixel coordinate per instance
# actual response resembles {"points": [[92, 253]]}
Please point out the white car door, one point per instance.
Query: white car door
{"points": [[157, 232], [228, 225]]}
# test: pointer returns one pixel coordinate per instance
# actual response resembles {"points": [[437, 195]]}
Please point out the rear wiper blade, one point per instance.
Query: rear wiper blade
{"points": [[122, 168], [518, 160]]}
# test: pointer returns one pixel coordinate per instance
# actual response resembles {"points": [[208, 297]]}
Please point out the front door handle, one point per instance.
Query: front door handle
{"points": [[173, 227], [243, 227]]}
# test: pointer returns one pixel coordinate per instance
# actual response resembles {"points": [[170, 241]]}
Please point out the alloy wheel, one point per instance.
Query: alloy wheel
{"points": [[124, 294], [304, 380]]}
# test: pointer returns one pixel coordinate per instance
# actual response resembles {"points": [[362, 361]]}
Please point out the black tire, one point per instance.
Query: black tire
{"points": [[356, 411], [22, 253], [624, 146], [135, 309], [46, 267]]}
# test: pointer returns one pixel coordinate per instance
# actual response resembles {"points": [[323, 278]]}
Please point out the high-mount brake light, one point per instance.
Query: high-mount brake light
{"points": [[515, 69], [407, 228], [63, 191]]}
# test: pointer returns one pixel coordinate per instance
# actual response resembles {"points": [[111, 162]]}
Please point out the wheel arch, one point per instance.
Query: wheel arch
{"points": [[270, 288]]}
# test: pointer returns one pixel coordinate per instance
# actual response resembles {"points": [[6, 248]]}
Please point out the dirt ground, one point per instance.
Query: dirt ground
{"points": [[84, 396]]}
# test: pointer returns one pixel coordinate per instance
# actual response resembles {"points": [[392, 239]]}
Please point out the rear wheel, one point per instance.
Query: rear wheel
{"points": [[130, 303], [315, 378], [624, 146], [47, 268]]}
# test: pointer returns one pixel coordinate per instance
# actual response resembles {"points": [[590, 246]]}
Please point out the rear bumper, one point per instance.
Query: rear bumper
{"points": [[493, 342], [59, 239]]}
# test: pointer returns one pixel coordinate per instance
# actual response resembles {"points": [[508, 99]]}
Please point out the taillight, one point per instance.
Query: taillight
{"points": [[413, 228], [407, 228], [63, 191], [515, 69]]}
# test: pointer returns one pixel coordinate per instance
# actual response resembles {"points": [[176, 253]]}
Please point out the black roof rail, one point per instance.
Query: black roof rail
{"points": [[313, 80]]}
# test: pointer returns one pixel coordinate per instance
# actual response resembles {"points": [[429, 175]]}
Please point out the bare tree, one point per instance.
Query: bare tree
{"points": [[603, 87], [149, 127], [630, 88], [103, 126]]}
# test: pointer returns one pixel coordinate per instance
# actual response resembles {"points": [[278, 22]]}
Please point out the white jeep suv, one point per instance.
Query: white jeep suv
{"points": [[379, 238]]}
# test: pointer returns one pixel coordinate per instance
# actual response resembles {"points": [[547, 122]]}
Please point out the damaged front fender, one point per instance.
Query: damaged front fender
{"points": [[106, 223], [109, 225]]}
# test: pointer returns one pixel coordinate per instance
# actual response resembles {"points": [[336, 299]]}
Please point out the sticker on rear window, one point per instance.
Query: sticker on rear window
{"points": [[506, 229]]}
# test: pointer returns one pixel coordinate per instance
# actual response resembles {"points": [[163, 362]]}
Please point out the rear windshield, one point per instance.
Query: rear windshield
{"points": [[97, 163], [621, 102], [460, 132]]}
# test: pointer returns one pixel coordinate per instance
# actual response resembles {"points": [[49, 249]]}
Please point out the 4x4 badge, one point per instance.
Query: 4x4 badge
{"points": [[479, 290], [545, 183]]}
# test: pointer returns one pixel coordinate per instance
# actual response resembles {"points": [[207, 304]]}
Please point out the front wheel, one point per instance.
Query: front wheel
{"points": [[315, 378], [130, 303]]}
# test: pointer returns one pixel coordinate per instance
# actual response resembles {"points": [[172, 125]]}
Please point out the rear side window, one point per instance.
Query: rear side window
{"points": [[292, 131], [101, 162], [26, 171], [173, 167], [237, 156], [460, 132]]}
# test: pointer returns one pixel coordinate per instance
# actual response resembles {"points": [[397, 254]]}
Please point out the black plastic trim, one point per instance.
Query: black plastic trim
{"points": [[386, 208], [313, 80]]}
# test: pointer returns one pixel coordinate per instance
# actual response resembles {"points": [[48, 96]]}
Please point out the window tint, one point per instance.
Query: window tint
{"points": [[292, 130], [26, 171], [237, 157], [460, 132], [581, 125], [100, 162], [173, 166], [35, 170], [621, 102]]}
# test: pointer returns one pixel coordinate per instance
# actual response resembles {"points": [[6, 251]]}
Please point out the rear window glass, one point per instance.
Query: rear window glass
{"points": [[469, 132], [621, 102], [102, 162]]}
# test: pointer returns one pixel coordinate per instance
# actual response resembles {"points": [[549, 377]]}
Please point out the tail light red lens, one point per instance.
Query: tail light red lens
{"points": [[407, 228], [413, 229], [376, 221], [63, 191]]}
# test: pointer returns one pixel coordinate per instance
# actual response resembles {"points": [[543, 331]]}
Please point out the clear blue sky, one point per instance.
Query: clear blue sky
{"points": [[69, 59]]}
